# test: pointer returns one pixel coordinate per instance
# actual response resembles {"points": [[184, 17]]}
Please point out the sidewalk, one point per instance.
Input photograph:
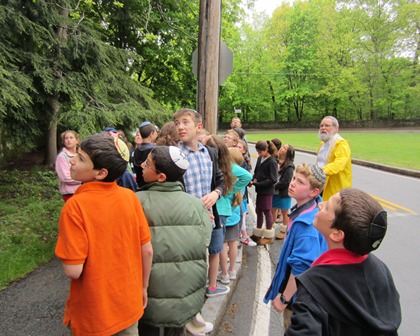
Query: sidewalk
{"points": [[214, 308], [35, 304]]}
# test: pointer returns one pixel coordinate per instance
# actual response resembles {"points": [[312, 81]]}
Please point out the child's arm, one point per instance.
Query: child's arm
{"points": [[288, 293], [147, 257], [73, 271]]}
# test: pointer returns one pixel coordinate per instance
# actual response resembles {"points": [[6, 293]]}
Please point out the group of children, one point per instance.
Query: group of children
{"points": [[142, 256]]}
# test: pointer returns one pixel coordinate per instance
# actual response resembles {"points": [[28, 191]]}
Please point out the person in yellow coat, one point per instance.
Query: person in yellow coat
{"points": [[334, 157]]}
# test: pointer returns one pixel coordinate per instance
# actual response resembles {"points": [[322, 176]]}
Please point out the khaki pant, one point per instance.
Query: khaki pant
{"points": [[130, 331], [287, 318]]}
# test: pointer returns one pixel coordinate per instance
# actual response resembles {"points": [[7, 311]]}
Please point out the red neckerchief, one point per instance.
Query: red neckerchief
{"points": [[339, 256]]}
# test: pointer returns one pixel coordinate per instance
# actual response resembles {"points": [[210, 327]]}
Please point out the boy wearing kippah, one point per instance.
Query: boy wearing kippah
{"points": [[104, 243], [148, 134], [303, 242], [181, 230], [348, 290]]}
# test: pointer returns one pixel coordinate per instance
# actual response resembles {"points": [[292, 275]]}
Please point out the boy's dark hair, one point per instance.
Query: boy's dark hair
{"points": [[146, 130], [165, 164], [362, 219], [103, 152]]}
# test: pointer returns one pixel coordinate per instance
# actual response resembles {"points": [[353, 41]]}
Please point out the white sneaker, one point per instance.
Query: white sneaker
{"points": [[232, 275], [209, 328], [248, 241], [224, 279]]}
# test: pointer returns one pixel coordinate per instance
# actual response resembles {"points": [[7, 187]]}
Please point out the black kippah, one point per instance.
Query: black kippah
{"points": [[378, 229]]}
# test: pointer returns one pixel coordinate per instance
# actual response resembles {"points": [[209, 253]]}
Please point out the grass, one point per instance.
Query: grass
{"points": [[400, 149], [30, 206]]}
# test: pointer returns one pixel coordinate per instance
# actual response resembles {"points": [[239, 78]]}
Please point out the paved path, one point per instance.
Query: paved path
{"points": [[35, 304]]}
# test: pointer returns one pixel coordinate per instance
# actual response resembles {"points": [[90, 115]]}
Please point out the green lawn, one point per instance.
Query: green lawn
{"points": [[400, 149], [30, 205]]}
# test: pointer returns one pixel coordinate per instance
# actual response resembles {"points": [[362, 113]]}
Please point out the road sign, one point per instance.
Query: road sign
{"points": [[225, 62]]}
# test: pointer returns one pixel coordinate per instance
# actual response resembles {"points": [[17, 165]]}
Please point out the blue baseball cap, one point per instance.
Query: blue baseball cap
{"points": [[110, 129]]}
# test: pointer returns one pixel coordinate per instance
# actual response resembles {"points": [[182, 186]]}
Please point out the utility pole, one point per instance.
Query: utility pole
{"points": [[208, 62]]}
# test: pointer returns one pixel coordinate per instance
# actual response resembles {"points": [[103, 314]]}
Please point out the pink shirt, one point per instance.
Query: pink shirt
{"points": [[62, 167]]}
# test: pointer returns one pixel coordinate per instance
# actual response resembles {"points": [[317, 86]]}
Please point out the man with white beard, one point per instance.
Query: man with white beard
{"points": [[334, 157]]}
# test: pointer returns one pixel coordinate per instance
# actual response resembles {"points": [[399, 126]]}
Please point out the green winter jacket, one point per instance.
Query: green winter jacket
{"points": [[181, 229]]}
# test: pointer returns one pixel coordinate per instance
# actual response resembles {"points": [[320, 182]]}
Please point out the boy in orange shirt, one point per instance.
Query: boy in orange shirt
{"points": [[104, 244]]}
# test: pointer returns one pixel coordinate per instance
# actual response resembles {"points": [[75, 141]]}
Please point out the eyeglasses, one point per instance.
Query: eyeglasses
{"points": [[147, 165], [325, 125]]}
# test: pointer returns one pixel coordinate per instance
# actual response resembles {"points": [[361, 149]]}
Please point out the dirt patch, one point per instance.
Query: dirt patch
{"points": [[27, 162]]}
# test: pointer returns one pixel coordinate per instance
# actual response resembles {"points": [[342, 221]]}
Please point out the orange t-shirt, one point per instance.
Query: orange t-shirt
{"points": [[103, 227]]}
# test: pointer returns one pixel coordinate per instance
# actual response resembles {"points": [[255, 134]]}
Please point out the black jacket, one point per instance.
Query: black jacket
{"points": [[216, 182], [285, 176], [346, 300], [266, 175]]}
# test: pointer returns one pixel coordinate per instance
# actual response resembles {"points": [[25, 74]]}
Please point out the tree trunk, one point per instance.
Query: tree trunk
{"points": [[52, 133], [54, 103], [273, 99]]}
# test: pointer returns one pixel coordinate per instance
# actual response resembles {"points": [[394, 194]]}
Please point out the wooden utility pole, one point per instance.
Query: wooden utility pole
{"points": [[208, 62]]}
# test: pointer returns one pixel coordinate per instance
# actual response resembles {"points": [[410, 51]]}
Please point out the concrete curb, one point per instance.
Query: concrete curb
{"points": [[214, 308]]}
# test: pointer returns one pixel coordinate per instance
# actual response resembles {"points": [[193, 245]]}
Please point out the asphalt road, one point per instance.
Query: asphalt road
{"points": [[399, 195]]}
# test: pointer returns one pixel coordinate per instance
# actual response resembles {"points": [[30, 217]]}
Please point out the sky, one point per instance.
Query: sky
{"points": [[269, 5]]}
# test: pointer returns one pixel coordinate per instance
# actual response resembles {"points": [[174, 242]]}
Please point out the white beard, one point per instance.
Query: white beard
{"points": [[324, 136]]}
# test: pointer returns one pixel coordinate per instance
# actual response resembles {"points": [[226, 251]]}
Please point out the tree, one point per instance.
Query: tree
{"points": [[71, 76]]}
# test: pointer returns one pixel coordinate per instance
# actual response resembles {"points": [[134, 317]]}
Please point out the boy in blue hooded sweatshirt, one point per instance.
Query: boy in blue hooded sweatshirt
{"points": [[303, 244]]}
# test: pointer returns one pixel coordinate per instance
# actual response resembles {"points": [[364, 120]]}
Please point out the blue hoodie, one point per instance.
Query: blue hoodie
{"points": [[303, 245]]}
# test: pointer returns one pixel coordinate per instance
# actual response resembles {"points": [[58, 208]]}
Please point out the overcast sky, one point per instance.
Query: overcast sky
{"points": [[268, 5]]}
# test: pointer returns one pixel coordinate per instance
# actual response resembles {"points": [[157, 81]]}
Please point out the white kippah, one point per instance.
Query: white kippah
{"points": [[178, 157]]}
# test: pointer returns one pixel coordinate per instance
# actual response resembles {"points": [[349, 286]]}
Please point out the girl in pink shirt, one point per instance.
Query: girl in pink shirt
{"points": [[70, 141]]}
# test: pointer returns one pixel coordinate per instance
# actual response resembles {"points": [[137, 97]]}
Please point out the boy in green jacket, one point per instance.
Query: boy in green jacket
{"points": [[181, 229]]}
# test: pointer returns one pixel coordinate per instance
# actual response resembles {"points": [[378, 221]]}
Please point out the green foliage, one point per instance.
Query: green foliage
{"points": [[30, 205], [63, 63], [357, 60]]}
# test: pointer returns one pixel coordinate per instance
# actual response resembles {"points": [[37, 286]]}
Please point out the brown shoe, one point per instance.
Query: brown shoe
{"points": [[265, 241], [280, 235]]}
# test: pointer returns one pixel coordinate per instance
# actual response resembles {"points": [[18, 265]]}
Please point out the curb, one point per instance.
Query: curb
{"points": [[214, 308], [375, 165]]}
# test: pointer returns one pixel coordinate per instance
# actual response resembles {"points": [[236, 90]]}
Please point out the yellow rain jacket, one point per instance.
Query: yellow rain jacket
{"points": [[338, 168]]}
